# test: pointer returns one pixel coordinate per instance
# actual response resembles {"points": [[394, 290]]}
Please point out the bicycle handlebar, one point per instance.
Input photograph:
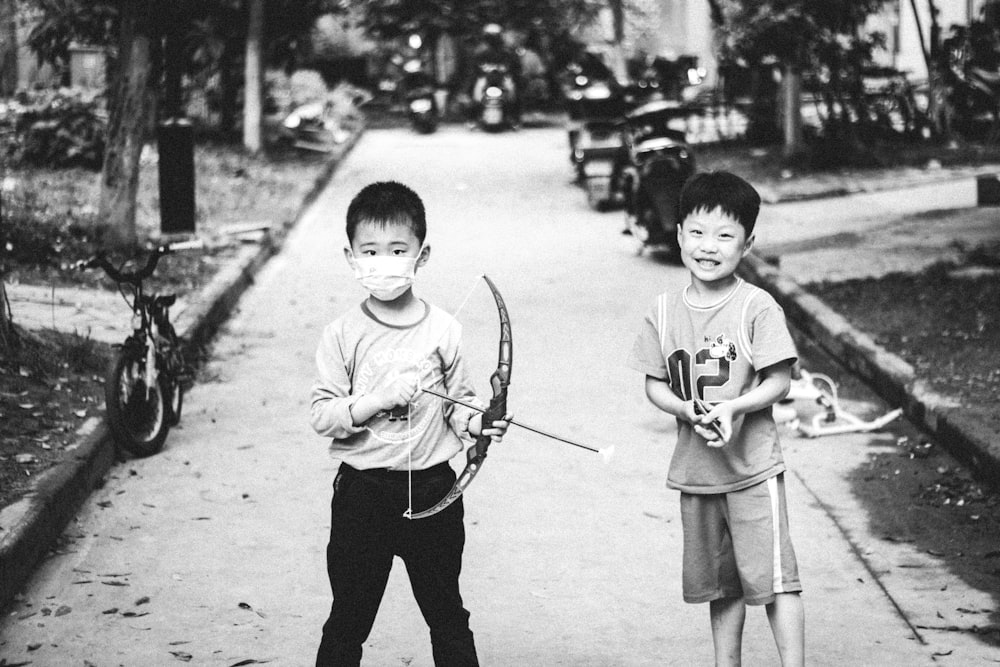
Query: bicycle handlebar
{"points": [[130, 277]]}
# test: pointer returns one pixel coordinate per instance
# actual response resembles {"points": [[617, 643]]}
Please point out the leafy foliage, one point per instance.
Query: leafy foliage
{"points": [[32, 233], [825, 41], [62, 22], [55, 128], [389, 19], [203, 25]]}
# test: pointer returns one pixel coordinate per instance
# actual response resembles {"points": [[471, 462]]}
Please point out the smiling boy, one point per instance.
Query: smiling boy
{"points": [[723, 344]]}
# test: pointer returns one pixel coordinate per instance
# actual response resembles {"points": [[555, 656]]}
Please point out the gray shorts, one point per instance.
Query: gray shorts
{"points": [[736, 545]]}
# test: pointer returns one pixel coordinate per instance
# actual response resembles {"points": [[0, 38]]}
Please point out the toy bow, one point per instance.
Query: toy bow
{"points": [[499, 380]]}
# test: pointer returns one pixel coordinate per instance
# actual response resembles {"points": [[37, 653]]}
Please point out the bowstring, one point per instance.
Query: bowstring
{"points": [[409, 423], [409, 458]]}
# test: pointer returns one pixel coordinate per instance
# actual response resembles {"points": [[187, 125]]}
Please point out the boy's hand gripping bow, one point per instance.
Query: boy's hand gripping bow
{"points": [[499, 381]]}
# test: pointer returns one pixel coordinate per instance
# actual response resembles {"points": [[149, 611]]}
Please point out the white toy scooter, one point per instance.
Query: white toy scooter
{"points": [[834, 419]]}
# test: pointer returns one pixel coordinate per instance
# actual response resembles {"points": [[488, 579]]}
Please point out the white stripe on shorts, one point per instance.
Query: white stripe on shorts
{"points": [[772, 490]]}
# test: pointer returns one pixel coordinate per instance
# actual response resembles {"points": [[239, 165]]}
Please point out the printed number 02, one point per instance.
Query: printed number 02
{"points": [[710, 372]]}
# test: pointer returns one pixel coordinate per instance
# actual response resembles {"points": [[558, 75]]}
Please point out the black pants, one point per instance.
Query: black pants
{"points": [[367, 530]]}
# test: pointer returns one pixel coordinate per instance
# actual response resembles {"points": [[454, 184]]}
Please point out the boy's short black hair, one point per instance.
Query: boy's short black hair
{"points": [[722, 190], [387, 203]]}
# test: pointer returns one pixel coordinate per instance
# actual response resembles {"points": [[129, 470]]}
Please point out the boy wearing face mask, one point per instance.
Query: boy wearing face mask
{"points": [[393, 440]]}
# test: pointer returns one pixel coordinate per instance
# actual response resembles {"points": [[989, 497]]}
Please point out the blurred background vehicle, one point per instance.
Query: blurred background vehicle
{"points": [[659, 163]]}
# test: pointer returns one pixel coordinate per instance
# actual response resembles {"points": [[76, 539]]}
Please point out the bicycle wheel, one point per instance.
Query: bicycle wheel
{"points": [[173, 374], [137, 413], [175, 400]]}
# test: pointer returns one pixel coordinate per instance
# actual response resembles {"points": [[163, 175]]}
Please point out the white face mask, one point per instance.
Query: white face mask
{"points": [[385, 277]]}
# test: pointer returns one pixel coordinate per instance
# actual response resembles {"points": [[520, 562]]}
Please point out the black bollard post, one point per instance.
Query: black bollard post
{"points": [[175, 138]]}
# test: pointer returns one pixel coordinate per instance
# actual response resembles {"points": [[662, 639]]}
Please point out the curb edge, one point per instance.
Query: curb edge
{"points": [[891, 377]]}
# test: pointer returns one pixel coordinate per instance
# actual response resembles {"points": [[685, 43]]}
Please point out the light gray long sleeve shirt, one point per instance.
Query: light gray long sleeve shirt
{"points": [[359, 354]]}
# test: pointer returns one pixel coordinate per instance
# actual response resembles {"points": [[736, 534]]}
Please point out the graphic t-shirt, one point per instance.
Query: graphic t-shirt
{"points": [[359, 354], [714, 353]]}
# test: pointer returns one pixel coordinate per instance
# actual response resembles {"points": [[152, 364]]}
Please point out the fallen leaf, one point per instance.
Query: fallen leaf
{"points": [[244, 605], [181, 655], [143, 600], [63, 610]]}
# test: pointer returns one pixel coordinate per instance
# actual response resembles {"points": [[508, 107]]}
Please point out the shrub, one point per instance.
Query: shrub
{"points": [[33, 234], [54, 129]]}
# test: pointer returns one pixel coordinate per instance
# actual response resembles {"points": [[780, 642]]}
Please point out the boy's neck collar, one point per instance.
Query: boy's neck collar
{"points": [[703, 296], [404, 311]]}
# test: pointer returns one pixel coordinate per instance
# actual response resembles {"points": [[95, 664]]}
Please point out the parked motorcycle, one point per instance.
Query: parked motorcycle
{"points": [[597, 145], [659, 163], [596, 105], [494, 97], [421, 105]]}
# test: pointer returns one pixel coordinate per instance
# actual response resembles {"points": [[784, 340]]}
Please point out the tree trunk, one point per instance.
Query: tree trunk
{"points": [[229, 89], [8, 47], [791, 109], [131, 107], [617, 47], [7, 335], [937, 104], [253, 78]]}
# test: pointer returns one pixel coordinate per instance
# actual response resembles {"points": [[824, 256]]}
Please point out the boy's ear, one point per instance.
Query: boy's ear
{"points": [[349, 255], [749, 245], [425, 254]]}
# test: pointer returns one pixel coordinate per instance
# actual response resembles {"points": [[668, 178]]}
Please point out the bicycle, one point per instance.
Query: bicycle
{"points": [[144, 391]]}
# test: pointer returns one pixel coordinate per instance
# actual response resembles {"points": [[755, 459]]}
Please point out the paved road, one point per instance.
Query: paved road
{"points": [[212, 552]]}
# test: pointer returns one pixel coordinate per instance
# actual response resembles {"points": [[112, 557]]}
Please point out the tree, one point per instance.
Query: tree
{"points": [[549, 21], [821, 39], [130, 110], [8, 47], [210, 33], [253, 78], [618, 28]]}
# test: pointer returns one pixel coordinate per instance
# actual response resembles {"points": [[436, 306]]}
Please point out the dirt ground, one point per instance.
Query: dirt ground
{"points": [[47, 390], [942, 320]]}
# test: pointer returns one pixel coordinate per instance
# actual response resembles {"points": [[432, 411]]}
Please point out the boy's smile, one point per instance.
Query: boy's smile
{"points": [[712, 244]]}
